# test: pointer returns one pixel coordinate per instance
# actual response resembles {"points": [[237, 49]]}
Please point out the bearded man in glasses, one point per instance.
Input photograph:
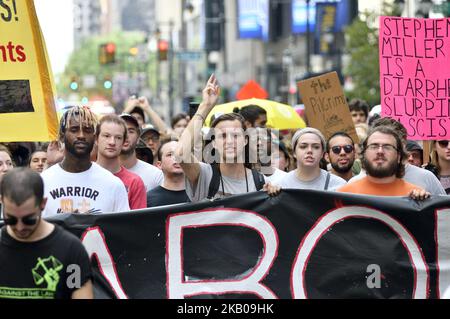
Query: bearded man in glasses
{"points": [[341, 155], [35, 255], [413, 174], [383, 157]]}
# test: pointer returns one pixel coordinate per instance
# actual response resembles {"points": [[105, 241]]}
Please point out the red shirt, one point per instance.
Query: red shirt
{"points": [[137, 196]]}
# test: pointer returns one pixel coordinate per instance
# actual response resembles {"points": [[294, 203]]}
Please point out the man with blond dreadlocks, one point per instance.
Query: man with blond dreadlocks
{"points": [[77, 185]]}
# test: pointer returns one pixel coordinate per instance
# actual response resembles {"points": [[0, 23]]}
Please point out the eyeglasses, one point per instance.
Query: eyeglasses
{"points": [[386, 147], [443, 144], [29, 220], [154, 138], [347, 149]]}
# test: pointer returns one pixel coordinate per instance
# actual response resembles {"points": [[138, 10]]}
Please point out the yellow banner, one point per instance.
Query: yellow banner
{"points": [[27, 102]]}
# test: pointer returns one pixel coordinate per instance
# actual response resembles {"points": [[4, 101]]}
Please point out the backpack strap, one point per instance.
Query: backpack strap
{"points": [[327, 181], [214, 184], [258, 178], [215, 181]]}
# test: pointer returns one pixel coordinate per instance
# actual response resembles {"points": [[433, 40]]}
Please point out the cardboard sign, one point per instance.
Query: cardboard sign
{"points": [[326, 107], [415, 75], [27, 103]]}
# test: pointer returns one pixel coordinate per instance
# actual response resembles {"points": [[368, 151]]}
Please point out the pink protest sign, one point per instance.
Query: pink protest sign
{"points": [[415, 75]]}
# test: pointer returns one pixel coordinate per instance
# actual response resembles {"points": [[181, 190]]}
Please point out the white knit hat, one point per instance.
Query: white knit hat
{"points": [[307, 130]]}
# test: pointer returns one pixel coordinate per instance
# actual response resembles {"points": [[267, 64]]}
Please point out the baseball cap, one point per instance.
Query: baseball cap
{"points": [[138, 110], [143, 151], [130, 118], [150, 129], [413, 146]]}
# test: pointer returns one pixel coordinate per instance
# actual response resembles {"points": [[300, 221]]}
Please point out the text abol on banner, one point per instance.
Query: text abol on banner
{"points": [[27, 103], [415, 75]]}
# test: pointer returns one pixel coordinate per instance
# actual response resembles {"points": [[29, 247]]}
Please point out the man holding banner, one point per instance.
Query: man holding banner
{"points": [[231, 144], [413, 174], [383, 157]]}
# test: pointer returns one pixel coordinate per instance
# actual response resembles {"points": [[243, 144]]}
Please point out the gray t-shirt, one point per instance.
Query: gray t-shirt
{"points": [[417, 176], [277, 174], [231, 186], [290, 180]]}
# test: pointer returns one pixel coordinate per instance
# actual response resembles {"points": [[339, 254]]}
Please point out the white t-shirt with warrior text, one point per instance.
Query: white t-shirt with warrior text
{"points": [[90, 192], [150, 175]]}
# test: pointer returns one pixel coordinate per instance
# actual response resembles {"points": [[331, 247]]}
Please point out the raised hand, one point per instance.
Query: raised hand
{"points": [[130, 104], [143, 103], [211, 92]]}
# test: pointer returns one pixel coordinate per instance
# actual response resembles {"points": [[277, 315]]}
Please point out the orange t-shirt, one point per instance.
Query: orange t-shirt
{"points": [[364, 186]]}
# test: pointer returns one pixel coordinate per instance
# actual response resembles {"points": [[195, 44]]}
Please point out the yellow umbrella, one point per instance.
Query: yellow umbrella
{"points": [[279, 116]]}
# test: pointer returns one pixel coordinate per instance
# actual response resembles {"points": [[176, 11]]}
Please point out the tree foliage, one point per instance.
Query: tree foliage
{"points": [[84, 61], [362, 48], [363, 67]]}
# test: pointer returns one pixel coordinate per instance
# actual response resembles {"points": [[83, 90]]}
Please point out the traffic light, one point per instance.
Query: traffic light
{"points": [[134, 51], [163, 49], [107, 53], [214, 37], [107, 84], [74, 84]]}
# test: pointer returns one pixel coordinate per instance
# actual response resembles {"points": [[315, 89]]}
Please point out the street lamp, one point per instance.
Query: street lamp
{"points": [[170, 55]]}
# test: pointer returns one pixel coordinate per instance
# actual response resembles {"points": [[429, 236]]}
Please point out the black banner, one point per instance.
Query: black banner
{"points": [[300, 244]]}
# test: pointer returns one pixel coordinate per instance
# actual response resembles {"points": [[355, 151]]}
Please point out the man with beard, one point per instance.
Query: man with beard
{"points": [[413, 174], [173, 188], [76, 185], [383, 158], [150, 175], [36, 254], [111, 134], [341, 155]]}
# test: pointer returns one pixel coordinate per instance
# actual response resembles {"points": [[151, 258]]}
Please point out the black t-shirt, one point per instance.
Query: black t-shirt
{"points": [[40, 270], [159, 196]]}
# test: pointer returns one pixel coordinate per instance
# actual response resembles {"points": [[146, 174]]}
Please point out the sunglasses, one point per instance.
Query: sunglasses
{"points": [[27, 220], [347, 149], [443, 143]]}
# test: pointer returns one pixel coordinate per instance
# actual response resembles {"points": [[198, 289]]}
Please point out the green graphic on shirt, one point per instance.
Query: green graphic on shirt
{"points": [[46, 270]]}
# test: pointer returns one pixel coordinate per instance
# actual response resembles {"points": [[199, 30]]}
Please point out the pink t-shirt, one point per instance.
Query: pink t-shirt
{"points": [[137, 195]]}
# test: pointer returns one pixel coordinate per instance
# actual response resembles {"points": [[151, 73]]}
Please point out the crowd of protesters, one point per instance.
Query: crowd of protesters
{"points": [[156, 164], [119, 163]]}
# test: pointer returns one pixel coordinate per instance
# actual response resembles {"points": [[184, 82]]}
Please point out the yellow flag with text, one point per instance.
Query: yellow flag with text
{"points": [[27, 101]]}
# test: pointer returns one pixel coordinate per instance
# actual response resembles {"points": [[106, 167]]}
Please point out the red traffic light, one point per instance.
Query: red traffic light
{"points": [[110, 48], [163, 45], [163, 48], [107, 53]]}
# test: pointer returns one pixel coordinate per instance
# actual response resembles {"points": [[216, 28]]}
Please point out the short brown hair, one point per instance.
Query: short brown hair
{"points": [[396, 125], [112, 118]]}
